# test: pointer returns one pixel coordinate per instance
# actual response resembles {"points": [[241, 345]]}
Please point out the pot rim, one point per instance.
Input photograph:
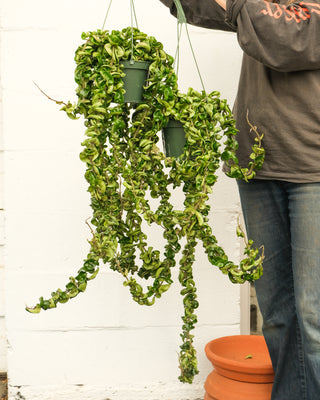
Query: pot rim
{"points": [[134, 64], [255, 345]]}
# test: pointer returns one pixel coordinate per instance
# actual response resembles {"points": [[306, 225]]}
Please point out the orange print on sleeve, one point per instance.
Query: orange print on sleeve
{"points": [[295, 12]]}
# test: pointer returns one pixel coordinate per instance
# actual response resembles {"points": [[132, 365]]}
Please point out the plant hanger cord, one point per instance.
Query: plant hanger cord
{"points": [[132, 14], [181, 20], [106, 16]]}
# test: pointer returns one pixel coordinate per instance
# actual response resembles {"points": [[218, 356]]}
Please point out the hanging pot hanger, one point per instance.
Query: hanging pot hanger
{"points": [[133, 23], [181, 22], [132, 15]]}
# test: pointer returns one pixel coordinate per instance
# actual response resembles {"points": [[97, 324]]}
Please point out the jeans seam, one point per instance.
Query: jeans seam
{"points": [[302, 372]]}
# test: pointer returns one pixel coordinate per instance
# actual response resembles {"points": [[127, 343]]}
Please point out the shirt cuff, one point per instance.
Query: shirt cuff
{"points": [[167, 3]]}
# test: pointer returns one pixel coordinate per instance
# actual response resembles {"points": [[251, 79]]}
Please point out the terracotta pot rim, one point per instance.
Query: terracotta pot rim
{"points": [[249, 365]]}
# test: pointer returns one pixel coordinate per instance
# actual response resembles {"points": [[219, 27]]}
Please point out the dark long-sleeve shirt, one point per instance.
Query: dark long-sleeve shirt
{"points": [[279, 84]]}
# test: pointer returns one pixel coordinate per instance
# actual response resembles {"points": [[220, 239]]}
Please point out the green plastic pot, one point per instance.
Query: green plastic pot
{"points": [[174, 138], [134, 80]]}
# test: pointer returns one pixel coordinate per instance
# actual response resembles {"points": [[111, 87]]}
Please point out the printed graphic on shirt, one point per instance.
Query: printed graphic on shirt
{"points": [[296, 12]]}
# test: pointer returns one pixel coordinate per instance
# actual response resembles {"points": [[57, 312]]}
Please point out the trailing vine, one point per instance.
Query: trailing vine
{"points": [[126, 169]]}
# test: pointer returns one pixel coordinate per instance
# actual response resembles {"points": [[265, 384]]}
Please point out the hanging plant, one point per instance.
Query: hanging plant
{"points": [[126, 170]]}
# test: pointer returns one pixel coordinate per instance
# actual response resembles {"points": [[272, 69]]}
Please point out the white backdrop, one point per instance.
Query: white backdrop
{"points": [[101, 345]]}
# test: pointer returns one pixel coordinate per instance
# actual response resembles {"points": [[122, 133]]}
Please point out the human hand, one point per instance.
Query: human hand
{"points": [[222, 3]]}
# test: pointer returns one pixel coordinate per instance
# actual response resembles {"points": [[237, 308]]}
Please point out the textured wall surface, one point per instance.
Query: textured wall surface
{"points": [[101, 345]]}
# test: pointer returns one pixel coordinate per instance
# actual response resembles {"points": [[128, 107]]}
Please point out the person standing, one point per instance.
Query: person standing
{"points": [[279, 86]]}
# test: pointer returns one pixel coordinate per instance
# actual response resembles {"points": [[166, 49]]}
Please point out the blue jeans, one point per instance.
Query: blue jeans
{"points": [[285, 218]]}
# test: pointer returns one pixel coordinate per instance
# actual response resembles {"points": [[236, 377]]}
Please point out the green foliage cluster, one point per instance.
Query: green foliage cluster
{"points": [[126, 170]]}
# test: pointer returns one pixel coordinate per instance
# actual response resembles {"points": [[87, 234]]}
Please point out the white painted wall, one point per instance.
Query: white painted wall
{"points": [[3, 343], [101, 345]]}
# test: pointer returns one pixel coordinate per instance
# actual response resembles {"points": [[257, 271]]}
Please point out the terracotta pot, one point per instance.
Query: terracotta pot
{"points": [[242, 369]]}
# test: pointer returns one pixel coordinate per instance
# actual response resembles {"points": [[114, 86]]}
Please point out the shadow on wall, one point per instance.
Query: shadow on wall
{"points": [[255, 314]]}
